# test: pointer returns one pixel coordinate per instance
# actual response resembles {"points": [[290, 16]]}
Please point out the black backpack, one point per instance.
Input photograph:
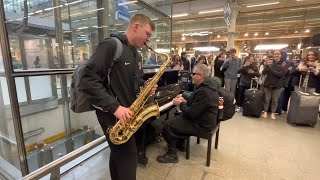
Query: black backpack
{"points": [[229, 107], [79, 100]]}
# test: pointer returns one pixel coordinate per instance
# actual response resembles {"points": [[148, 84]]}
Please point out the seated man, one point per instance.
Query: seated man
{"points": [[199, 113]]}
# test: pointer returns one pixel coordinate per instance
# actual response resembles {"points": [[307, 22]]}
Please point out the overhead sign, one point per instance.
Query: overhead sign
{"points": [[227, 13], [123, 10]]}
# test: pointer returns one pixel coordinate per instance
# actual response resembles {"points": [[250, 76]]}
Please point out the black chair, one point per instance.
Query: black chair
{"points": [[207, 136]]}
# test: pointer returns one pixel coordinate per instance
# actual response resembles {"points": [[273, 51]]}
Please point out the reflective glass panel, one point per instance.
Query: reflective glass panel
{"points": [[9, 159]]}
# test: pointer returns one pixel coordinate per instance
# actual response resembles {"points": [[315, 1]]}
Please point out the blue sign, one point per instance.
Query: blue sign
{"points": [[123, 10], [227, 13]]}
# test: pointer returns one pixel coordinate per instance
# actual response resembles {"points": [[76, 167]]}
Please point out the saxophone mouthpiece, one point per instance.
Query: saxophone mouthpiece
{"points": [[149, 47]]}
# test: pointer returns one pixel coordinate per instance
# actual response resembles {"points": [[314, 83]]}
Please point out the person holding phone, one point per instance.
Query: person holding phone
{"points": [[218, 62], [231, 65], [310, 67], [290, 81], [275, 71], [248, 71]]}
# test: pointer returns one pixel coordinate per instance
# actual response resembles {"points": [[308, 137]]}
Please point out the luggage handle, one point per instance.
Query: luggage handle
{"points": [[252, 79], [305, 88]]}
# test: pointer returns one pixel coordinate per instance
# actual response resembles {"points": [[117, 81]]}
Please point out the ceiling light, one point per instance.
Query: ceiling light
{"points": [[296, 31], [84, 27], [307, 31], [210, 11], [160, 50], [257, 19], [179, 15], [270, 46], [126, 3], [212, 48], [269, 12], [180, 22], [218, 36], [74, 2], [75, 14], [296, 9], [215, 18], [246, 34], [290, 17], [256, 34], [133, 11], [264, 4], [183, 38], [196, 34], [267, 33], [96, 9], [40, 11]]}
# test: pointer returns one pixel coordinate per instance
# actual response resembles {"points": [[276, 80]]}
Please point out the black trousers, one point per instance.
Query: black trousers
{"points": [[177, 128], [285, 98], [242, 89], [123, 157]]}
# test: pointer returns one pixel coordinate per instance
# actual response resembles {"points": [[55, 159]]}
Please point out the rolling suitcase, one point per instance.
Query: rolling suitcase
{"points": [[304, 108], [252, 105]]}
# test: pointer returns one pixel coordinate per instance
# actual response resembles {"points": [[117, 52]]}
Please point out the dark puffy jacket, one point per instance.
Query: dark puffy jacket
{"points": [[245, 77], [202, 106], [275, 74], [126, 76], [292, 76]]}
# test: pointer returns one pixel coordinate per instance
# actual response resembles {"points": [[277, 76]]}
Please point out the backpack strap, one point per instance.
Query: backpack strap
{"points": [[116, 57]]}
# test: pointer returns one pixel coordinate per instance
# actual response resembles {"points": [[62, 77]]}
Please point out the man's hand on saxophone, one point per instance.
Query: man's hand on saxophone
{"points": [[123, 114]]}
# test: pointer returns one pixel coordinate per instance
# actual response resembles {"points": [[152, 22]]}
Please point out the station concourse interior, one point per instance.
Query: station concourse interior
{"points": [[42, 42]]}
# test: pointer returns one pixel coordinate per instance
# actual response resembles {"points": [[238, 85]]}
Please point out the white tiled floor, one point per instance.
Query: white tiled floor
{"points": [[249, 148]]}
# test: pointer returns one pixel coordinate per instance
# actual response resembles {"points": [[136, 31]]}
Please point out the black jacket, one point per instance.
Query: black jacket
{"points": [[245, 77], [313, 82], [186, 64], [275, 74], [292, 76], [126, 76], [217, 68], [202, 106]]}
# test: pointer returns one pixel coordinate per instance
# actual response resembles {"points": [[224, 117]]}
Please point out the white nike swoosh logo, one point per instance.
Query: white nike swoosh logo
{"points": [[126, 63]]}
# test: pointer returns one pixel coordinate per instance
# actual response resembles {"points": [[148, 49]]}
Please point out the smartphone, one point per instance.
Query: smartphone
{"points": [[228, 54]]}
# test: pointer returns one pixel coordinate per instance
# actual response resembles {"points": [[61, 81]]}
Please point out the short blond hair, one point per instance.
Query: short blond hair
{"points": [[143, 19]]}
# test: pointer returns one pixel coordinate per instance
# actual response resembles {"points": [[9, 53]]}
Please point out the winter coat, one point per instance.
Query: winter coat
{"points": [[202, 106]]}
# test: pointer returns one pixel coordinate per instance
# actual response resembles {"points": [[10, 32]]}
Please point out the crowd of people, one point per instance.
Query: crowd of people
{"points": [[112, 97], [273, 72]]}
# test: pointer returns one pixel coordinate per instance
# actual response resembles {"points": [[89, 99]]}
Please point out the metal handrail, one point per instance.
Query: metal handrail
{"points": [[51, 167]]}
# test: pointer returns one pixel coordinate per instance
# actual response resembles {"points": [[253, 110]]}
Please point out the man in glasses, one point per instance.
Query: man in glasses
{"points": [[199, 113], [112, 99]]}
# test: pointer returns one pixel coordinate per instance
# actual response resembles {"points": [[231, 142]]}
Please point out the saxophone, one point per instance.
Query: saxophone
{"points": [[119, 134]]}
